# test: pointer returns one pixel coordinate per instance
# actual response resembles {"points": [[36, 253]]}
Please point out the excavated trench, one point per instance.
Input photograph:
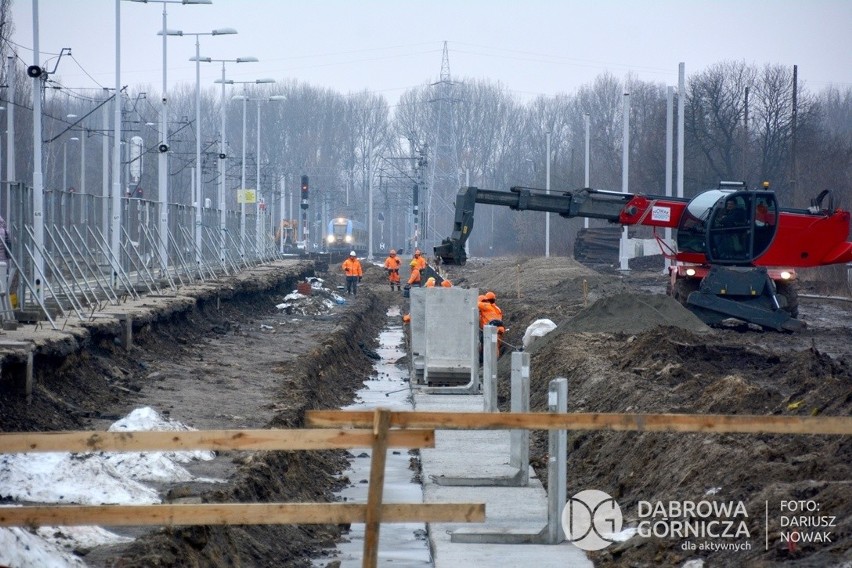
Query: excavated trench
{"points": [[224, 358]]}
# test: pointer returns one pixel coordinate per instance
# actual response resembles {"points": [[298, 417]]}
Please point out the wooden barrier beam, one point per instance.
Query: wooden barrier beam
{"points": [[237, 514], [375, 491], [732, 423], [304, 439]]}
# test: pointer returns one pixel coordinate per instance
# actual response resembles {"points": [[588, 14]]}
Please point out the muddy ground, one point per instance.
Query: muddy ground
{"points": [[243, 363], [240, 363], [624, 347]]}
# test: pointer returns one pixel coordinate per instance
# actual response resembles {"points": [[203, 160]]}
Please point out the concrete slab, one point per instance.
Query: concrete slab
{"points": [[451, 323], [418, 333], [513, 510]]}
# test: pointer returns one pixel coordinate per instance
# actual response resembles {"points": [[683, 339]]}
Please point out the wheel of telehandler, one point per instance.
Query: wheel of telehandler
{"points": [[682, 288], [791, 294]]}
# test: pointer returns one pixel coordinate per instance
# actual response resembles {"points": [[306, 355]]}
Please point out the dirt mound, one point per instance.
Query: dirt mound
{"points": [[513, 276], [634, 313]]}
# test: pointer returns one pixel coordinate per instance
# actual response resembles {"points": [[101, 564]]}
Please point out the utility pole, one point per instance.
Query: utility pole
{"points": [[444, 179], [794, 174]]}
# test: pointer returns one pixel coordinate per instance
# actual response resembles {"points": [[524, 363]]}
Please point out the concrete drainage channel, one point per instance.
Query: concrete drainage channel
{"points": [[403, 544]]}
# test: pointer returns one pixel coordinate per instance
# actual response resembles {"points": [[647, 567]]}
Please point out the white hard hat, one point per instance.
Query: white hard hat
{"points": [[352, 253]]}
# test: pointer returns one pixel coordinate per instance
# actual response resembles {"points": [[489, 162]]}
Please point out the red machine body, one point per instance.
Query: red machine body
{"points": [[735, 249]]}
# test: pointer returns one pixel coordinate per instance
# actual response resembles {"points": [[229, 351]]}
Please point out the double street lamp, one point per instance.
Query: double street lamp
{"points": [[244, 98], [198, 181], [163, 146], [222, 155]]}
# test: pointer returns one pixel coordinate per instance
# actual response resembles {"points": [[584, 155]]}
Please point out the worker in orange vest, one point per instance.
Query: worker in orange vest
{"points": [[446, 283], [430, 282], [353, 271], [414, 278], [392, 264], [419, 259], [491, 314]]}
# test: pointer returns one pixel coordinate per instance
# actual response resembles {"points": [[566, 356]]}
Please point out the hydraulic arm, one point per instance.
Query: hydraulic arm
{"points": [[729, 242], [612, 206]]}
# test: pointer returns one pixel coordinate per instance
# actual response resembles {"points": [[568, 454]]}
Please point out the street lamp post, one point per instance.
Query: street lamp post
{"points": [[244, 97], [198, 180], [65, 162], [163, 146], [258, 224], [547, 191], [84, 208], [222, 156]]}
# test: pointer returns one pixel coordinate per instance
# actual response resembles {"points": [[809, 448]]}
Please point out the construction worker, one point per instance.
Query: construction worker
{"points": [[419, 259], [392, 264], [491, 314], [430, 282], [414, 278], [353, 271], [445, 283]]}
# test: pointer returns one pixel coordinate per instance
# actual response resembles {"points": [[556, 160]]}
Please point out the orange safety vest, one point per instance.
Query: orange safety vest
{"points": [[352, 267], [414, 279], [489, 311], [392, 264]]}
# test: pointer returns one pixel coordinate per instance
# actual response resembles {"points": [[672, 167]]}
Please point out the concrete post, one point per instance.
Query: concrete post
{"points": [[519, 440], [489, 368], [474, 350], [28, 377], [557, 477], [519, 451], [126, 322], [557, 467]]}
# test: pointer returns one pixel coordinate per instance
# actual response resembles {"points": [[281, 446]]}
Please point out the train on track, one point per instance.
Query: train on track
{"points": [[345, 235]]}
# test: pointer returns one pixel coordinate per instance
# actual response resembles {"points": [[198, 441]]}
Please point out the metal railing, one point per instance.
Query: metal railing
{"points": [[81, 272]]}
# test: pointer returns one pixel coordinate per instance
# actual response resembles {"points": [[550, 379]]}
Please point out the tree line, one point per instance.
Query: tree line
{"points": [[739, 125]]}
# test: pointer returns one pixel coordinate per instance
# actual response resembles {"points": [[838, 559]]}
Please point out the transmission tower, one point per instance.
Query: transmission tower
{"points": [[439, 210]]}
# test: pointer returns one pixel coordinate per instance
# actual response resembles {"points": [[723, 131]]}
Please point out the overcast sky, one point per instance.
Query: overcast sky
{"points": [[532, 47]]}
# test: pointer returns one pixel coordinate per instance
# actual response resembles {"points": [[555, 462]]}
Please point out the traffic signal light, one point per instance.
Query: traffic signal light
{"points": [[416, 198], [304, 192]]}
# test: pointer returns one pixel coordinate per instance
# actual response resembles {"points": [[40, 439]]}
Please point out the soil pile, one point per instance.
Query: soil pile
{"points": [[634, 313]]}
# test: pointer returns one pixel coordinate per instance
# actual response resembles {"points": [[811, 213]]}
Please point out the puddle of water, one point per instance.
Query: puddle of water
{"points": [[403, 544]]}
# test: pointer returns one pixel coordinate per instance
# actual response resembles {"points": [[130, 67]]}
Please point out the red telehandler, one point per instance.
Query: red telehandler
{"points": [[736, 250]]}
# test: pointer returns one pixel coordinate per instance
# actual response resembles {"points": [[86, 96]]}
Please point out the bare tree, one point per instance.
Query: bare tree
{"points": [[715, 110]]}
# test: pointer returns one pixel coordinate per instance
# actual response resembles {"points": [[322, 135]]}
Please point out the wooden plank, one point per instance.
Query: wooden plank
{"points": [[304, 439], [237, 514], [375, 491], [747, 424]]}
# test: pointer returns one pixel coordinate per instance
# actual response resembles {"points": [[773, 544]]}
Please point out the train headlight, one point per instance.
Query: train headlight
{"points": [[690, 272], [785, 275], [330, 239], [347, 238]]}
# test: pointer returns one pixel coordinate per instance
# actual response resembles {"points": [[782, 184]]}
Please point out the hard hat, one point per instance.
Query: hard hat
{"points": [[490, 296], [446, 283], [352, 253], [392, 252], [480, 298], [430, 282]]}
